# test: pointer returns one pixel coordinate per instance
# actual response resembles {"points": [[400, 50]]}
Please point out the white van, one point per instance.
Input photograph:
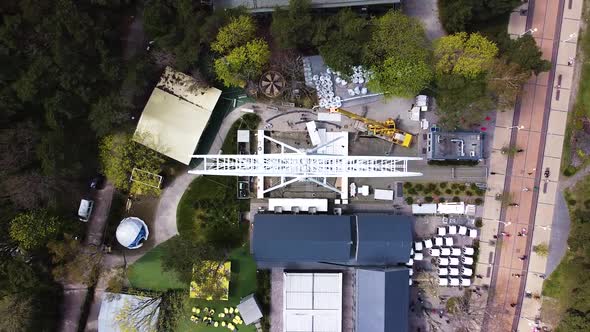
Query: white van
{"points": [[472, 233], [443, 271], [449, 241], [428, 243], [443, 282], [452, 230], [443, 262], [442, 231], [453, 261], [445, 252], [467, 260], [453, 271], [465, 282], [438, 241], [418, 245], [418, 256], [85, 210], [462, 230], [453, 281], [456, 252], [434, 252]]}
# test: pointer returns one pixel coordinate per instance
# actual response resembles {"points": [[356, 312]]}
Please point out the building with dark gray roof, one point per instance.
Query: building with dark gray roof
{"points": [[295, 240], [383, 240], [454, 145], [382, 300], [328, 241]]}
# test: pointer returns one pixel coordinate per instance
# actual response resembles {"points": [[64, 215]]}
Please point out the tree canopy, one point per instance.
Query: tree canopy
{"points": [[400, 77], [243, 63], [292, 27], [460, 15], [463, 54], [237, 33], [33, 229]]}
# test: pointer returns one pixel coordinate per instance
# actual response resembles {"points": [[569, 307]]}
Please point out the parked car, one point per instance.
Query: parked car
{"points": [[85, 210], [434, 252], [456, 252], [467, 272], [454, 261], [418, 256], [438, 241], [443, 271], [97, 182], [445, 252], [467, 260], [465, 282], [418, 245], [469, 251]]}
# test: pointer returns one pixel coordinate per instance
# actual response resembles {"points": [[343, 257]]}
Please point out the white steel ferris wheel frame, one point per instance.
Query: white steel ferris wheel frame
{"points": [[295, 164]]}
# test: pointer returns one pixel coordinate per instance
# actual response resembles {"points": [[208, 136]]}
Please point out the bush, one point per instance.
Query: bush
{"points": [[431, 186], [454, 186], [412, 191], [427, 190], [478, 201], [437, 192], [462, 187], [480, 192], [541, 249], [428, 199], [448, 191], [409, 200], [468, 193], [478, 222], [443, 185], [419, 186], [473, 187], [457, 192], [456, 199], [441, 200], [569, 170], [407, 185]]}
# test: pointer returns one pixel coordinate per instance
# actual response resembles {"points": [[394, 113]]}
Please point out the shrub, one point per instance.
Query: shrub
{"points": [[419, 186], [541, 249], [468, 193], [427, 190], [448, 191], [431, 186], [412, 191], [441, 200], [480, 192], [407, 185], [478, 201], [456, 199], [473, 187], [409, 200], [428, 199], [462, 187], [437, 192], [569, 170], [443, 185], [454, 186], [478, 222], [457, 192]]}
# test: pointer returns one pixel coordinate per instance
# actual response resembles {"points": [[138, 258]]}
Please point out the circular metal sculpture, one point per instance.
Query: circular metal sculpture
{"points": [[132, 232], [272, 84]]}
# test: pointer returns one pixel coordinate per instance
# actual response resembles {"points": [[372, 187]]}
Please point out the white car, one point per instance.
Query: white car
{"points": [[443, 282], [418, 245], [443, 271], [469, 251], [462, 230], [452, 230], [410, 262], [410, 282], [467, 260], [465, 282], [467, 272], [418, 256], [443, 262], [434, 252], [472, 233], [428, 244], [456, 252], [85, 210], [445, 252], [438, 241], [411, 271], [453, 261], [453, 281], [453, 271], [449, 241], [442, 231]]}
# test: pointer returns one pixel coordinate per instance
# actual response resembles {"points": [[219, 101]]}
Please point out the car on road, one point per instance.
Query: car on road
{"points": [[85, 210], [97, 182]]}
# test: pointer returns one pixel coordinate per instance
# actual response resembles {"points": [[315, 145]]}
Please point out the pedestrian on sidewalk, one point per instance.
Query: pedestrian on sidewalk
{"points": [[513, 304], [516, 275], [523, 257], [505, 234]]}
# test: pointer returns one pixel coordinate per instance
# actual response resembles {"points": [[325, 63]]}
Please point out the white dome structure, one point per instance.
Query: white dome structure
{"points": [[131, 232]]}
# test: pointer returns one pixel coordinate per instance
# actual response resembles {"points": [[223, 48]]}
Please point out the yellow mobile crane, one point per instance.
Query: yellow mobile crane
{"points": [[385, 130]]}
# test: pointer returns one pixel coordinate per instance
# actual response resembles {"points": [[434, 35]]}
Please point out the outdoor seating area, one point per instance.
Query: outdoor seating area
{"points": [[219, 281], [229, 318]]}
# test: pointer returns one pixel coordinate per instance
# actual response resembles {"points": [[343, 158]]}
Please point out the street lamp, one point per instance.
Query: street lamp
{"points": [[517, 127], [533, 30], [571, 36]]}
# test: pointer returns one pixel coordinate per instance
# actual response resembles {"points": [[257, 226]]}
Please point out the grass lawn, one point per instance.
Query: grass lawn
{"points": [[147, 273]]}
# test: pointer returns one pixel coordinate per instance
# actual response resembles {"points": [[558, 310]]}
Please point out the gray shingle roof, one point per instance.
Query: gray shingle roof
{"points": [[297, 238], [383, 239], [382, 301]]}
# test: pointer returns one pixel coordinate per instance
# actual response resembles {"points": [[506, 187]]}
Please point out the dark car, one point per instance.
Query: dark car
{"points": [[97, 182]]}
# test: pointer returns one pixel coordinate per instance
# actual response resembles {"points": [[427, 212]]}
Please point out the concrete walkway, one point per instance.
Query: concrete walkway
{"points": [[427, 12]]}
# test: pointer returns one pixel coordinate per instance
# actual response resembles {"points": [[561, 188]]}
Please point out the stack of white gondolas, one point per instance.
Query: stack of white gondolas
{"points": [[325, 89]]}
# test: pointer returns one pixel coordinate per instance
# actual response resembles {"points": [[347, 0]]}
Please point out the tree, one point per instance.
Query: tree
{"points": [[33, 229], [525, 52], [72, 262], [182, 254], [398, 52], [455, 15], [464, 55], [243, 63], [339, 39], [428, 282], [120, 154], [106, 114], [541, 249], [237, 33], [461, 101], [505, 81], [398, 77], [292, 27]]}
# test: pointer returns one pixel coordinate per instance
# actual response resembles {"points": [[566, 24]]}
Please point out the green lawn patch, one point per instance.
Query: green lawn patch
{"points": [[147, 273]]}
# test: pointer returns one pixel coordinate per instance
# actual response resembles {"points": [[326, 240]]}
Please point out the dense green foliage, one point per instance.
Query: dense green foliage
{"points": [[33, 229], [464, 55], [398, 41], [570, 282], [340, 39], [292, 27], [460, 15]]}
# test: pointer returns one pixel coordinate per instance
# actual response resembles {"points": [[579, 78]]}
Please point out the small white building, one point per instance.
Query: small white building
{"points": [[451, 208], [300, 204], [427, 209]]}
